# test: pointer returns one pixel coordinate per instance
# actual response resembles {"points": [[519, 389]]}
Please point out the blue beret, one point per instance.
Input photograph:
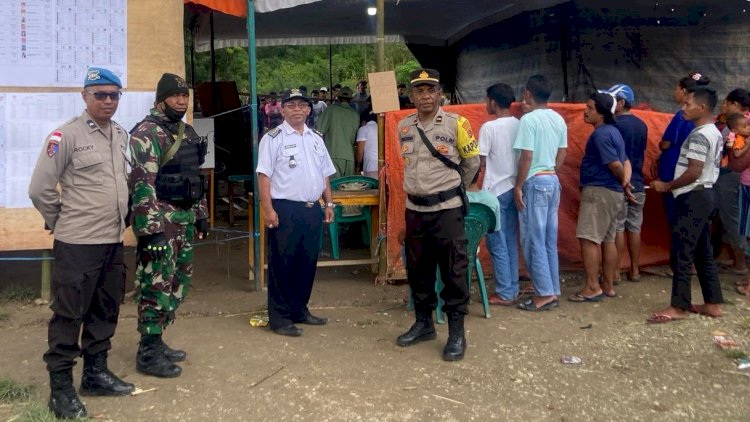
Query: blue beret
{"points": [[101, 76]]}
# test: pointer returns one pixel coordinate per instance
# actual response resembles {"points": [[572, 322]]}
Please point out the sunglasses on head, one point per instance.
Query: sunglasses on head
{"points": [[101, 96]]}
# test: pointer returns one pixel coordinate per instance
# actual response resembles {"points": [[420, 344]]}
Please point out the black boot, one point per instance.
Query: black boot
{"points": [[173, 355], [150, 359], [63, 400], [456, 345], [422, 330], [98, 380]]}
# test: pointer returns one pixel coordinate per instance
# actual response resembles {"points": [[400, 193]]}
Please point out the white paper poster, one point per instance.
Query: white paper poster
{"points": [[53, 42], [25, 121]]}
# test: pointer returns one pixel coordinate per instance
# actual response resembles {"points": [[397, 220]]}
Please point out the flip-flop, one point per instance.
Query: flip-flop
{"points": [[529, 305], [661, 318], [580, 297], [694, 309]]}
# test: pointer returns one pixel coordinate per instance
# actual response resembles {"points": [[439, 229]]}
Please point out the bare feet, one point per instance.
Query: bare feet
{"points": [[712, 310]]}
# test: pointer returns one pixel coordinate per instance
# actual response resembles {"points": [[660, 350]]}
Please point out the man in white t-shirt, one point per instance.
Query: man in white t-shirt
{"points": [[496, 139], [318, 106], [366, 155], [695, 201]]}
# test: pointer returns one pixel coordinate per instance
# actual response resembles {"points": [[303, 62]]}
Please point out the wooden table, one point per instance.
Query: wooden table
{"points": [[369, 198]]}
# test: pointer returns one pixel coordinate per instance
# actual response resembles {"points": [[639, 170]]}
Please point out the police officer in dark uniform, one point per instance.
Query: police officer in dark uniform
{"points": [[169, 212], [87, 158], [293, 172], [441, 157]]}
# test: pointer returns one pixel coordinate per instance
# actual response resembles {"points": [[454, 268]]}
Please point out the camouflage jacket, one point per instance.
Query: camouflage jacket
{"points": [[148, 142]]}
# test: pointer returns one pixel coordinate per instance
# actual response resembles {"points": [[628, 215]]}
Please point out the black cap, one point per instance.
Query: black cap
{"points": [[170, 84], [424, 77], [295, 94]]}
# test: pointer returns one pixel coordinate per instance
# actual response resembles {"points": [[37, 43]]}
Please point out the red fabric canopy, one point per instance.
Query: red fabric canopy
{"points": [[654, 235]]}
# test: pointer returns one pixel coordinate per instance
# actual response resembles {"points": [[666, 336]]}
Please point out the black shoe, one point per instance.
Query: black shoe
{"points": [[422, 330], [150, 359], [173, 355], [454, 349], [63, 400], [313, 320], [290, 330], [98, 380], [456, 346]]}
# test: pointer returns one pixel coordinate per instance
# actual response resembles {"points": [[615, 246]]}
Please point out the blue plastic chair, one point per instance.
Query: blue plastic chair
{"points": [[479, 221], [367, 182]]}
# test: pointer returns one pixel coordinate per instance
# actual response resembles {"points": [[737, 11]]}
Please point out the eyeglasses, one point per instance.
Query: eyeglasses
{"points": [[294, 105], [101, 96]]}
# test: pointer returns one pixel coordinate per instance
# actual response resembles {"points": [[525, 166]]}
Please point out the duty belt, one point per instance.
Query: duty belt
{"points": [[430, 200]]}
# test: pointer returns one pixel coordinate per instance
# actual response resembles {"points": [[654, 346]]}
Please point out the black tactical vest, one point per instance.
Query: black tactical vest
{"points": [[179, 180]]}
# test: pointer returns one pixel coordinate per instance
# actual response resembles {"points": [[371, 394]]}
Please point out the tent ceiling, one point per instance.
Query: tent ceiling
{"points": [[432, 22]]}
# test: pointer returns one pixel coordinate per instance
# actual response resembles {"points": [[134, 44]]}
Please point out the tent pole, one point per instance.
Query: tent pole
{"points": [[214, 88], [254, 129], [381, 35], [330, 72], [382, 250]]}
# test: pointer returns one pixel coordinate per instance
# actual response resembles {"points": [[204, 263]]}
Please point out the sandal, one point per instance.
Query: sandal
{"points": [[529, 305], [661, 318], [496, 300], [580, 297]]}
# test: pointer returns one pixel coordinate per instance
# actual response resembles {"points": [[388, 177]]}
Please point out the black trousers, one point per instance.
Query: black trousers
{"points": [[437, 239], [691, 244], [88, 283], [293, 247]]}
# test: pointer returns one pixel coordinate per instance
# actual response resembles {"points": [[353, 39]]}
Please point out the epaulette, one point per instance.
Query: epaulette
{"points": [[274, 132], [451, 115], [317, 132]]}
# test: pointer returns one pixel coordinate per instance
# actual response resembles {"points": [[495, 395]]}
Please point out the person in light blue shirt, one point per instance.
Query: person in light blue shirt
{"points": [[541, 145], [485, 197]]}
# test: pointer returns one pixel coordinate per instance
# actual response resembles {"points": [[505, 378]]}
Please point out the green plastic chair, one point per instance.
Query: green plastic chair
{"points": [[338, 217], [479, 221]]}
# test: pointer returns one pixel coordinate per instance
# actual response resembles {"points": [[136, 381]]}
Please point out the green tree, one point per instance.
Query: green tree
{"points": [[284, 67]]}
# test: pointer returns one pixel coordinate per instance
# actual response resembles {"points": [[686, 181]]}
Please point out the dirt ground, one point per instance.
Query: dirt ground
{"points": [[351, 369]]}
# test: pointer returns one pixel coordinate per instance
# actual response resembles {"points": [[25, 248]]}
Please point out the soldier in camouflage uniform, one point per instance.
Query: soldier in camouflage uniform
{"points": [[169, 211]]}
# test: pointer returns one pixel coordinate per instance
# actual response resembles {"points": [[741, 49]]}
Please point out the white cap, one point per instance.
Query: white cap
{"points": [[324, 89]]}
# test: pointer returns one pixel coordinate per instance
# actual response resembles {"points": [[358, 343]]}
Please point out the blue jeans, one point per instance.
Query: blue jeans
{"points": [[539, 232], [503, 247]]}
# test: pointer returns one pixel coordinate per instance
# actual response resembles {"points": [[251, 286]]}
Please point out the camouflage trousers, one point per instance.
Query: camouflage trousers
{"points": [[162, 285]]}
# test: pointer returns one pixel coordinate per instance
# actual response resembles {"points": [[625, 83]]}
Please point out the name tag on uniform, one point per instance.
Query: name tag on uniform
{"points": [[290, 146]]}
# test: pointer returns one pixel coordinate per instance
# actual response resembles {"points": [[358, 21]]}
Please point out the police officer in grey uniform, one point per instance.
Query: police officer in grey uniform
{"points": [[87, 157], [441, 157], [293, 172]]}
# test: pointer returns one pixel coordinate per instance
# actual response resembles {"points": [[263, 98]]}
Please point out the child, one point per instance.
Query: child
{"points": [[740, 131]]}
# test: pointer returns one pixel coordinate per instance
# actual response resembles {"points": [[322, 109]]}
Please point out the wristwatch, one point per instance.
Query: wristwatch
{"points": [[330, 205]]}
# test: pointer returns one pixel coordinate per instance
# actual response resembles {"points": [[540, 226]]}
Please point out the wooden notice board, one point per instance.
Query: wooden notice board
{"points": [[155, 44]]}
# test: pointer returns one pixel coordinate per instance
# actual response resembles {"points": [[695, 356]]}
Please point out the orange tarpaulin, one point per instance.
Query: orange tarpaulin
{"points": [[230, 7], [654, 233]]}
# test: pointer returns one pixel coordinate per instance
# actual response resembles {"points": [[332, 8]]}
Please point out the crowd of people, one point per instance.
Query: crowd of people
{"points": [[703, 173]]}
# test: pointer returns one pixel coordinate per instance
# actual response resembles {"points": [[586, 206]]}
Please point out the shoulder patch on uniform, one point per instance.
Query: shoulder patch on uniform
{"points": [[53, 143], [274, 132], [317, 132], [451, 115], [91, 124]]}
